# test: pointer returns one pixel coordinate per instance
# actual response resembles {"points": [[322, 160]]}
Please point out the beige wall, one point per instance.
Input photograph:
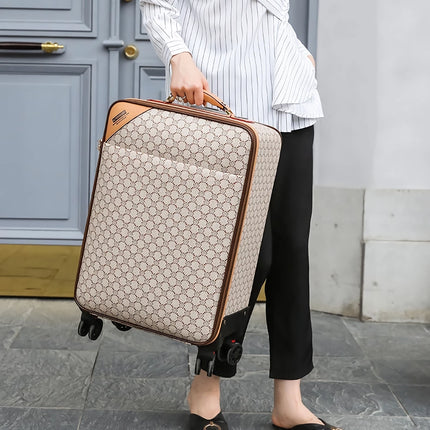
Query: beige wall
{"points": [[372, 161], [374, 80]]}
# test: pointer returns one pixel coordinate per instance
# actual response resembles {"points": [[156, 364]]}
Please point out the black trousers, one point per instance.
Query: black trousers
{"points": [[284, 263]]}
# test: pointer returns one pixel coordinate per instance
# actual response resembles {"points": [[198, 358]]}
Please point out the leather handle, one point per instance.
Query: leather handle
{"points": [[210, 98]]}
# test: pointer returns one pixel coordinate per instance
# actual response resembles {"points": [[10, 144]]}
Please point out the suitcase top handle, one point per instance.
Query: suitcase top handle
{"points": [[207, 98]]}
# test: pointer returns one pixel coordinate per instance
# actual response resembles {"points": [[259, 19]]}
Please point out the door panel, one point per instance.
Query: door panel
{"points": [[30, 4], [29, 17], [44, 147], [139, 29], [44, 199], [151, 82]]}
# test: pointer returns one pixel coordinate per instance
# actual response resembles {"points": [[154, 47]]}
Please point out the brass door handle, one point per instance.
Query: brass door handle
{"points": [[47, 47], [131, 52]]}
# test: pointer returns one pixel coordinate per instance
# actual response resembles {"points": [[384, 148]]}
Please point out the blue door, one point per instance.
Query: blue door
{"points": [[53, 102]]}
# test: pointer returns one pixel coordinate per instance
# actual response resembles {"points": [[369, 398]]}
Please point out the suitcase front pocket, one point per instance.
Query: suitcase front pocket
{"points": [[158, 241]]}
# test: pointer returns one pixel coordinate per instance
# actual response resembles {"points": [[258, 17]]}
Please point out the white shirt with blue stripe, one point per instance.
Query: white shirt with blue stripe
{"points": [[248, 52]]}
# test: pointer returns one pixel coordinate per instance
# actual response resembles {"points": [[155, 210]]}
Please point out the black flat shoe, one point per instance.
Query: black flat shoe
{"points": [[324, 426], [199, 423]]}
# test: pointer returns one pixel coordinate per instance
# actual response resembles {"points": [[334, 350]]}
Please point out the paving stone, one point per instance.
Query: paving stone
{"points": [[331, 337], [138, 394], [41, 391], [53, 312], [245, 394], [346, 398], [256, 343], [7, 335], [390, 340], [15, 311], [415, 399], [53, 338], [249, 421], [249, 365], [133, 420], [141, 364], [422, 423], [375, 329], [257, 323], [408, 372], [334, 398], [342, 369], [371, 423], [384, 347], [39, 419], [46, 362]]}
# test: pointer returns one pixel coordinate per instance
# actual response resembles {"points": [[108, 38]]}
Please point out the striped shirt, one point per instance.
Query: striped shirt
{"points": [[248, 52]]}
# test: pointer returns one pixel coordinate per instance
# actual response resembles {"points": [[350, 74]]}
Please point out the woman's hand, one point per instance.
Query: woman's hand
{"points": [[187, 80]]}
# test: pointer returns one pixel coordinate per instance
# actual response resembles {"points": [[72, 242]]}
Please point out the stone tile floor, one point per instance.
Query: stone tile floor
{"points": [[367, 376]]}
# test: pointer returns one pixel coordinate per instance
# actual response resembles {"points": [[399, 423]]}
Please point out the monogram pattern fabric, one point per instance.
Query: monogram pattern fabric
{"points": [[256, 213], [165, 208]]}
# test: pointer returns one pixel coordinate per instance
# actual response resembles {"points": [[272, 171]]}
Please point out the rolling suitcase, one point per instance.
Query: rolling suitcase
{"points": [[175, 223]]}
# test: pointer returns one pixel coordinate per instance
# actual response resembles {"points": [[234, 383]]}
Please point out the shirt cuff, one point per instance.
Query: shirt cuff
{"points": [[173, 47]]}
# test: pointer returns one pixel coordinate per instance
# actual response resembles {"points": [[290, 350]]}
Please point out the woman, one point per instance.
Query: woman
{"points": [[246, 52]]}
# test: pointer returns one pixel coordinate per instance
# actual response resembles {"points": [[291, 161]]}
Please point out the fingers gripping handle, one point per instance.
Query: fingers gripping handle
{"points": [[208, 98]]}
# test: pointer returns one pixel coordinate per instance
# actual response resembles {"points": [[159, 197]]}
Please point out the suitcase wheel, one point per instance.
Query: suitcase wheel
{"points": [[208, 357], [90, 325], [95, 329], [83, 328], [230, 352], [121, 327], [234, 354]]}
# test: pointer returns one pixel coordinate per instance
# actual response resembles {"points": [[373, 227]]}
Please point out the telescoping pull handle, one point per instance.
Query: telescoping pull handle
{"points": [[207, 98], [47, 47]]}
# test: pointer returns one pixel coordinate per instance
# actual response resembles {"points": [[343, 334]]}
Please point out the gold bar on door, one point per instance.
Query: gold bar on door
{"points": [[38, 270]]}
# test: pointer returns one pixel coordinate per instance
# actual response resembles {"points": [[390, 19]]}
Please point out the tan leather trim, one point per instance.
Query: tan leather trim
{"points": [[86, 230], [121, 113], [237, 234]]}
